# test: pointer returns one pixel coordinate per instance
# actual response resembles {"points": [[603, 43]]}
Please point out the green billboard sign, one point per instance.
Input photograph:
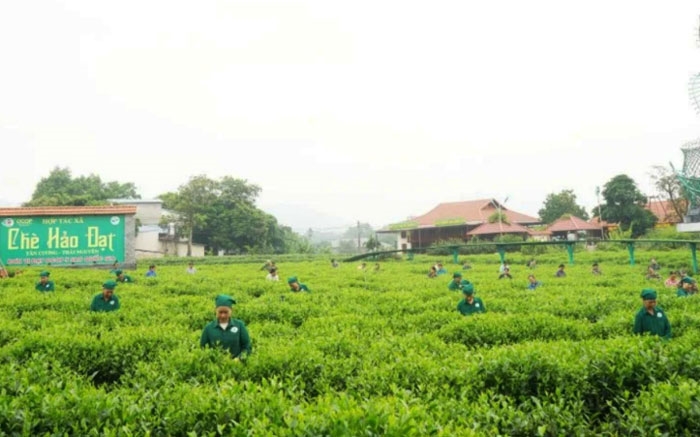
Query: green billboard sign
{"points": [[456, 221], [404, 225], [62, 240]]}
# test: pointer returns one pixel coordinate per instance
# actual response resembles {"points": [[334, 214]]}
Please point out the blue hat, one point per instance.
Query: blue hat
{"points": [[117, 272], [456, 275], [687, 280], [44, 273], [224, 300], [292, 279], [109, 285], [468, 288]]}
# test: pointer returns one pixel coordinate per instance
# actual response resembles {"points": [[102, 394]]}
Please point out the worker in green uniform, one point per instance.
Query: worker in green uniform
{"points": [[121, 277], [230, 334], [456, 282], [686, 287], [107, 300], [651, 318], [470, 304], [44, 284], [295, 285]]}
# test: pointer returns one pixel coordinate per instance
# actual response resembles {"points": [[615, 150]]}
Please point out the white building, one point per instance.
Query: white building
{"points": [[152, 239]]}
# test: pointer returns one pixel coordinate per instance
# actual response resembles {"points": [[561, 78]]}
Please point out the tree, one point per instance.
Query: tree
{"points": [[365, 231], [347, 246], [624, 204], [222, 215], [669, 188], [372, 243], [193, 203], [558, 204], [59, 188]]}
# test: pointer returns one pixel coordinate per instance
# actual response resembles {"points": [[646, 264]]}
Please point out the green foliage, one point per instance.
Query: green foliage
{"points": [[59, 188], [624, 204], [372, 243], [557, 205], [498, 217], [365, 231], [367, 353], [222, 215]]}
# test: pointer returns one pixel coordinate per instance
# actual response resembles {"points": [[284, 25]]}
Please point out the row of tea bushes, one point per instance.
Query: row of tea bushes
{"points": [[365, 353]]}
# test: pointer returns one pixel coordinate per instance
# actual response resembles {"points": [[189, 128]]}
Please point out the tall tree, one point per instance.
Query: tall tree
{"points": [[59, 188], [365, 231], [669, 188], [222, 215], [558, 204], [193, 203], [624, 204]]}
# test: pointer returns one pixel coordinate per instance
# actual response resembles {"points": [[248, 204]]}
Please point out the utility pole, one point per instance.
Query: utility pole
{"points": [[500, 215], [597, 195], [359, 245]]}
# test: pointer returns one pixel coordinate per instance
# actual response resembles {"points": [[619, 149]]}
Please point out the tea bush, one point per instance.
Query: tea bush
{"points": [[363, 353]]}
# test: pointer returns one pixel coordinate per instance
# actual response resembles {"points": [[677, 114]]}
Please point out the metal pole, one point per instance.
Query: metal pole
{"points": [[630, 248], [570, 249], [597, 195], [693, 248]]}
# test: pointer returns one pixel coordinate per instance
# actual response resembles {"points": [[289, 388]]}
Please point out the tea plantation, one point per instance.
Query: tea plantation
{"points": [[364, 353]]}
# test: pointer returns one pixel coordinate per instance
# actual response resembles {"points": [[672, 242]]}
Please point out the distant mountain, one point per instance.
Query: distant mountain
{"points": [[300, 218]]}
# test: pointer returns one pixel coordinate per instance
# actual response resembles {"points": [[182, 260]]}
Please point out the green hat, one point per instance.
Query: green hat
{"points": [[468, 288], [117, 272], [648, 294], [687, 280], [292, 279], [456, 275], [44, 273], [109, 285], [224, 300]]}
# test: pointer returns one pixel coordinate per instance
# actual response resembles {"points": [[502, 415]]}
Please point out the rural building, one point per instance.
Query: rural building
{"points": [[665, 213], [68, 236], [491, 230], [570, 227], [152, 238], [605, 227], [451, 221]]}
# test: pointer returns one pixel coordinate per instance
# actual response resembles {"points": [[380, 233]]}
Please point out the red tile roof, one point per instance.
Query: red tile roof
{"points": [[470, 212], [600, 223], [499, 228], [66, 210], [572, 223], [663, 210]]}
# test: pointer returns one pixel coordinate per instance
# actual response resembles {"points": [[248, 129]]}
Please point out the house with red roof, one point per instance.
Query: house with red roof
{"points": [[571, 227], [454, 220], [665, 213]]}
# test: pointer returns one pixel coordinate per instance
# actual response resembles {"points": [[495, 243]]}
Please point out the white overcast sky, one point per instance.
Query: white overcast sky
{"points": [[361, 110]]}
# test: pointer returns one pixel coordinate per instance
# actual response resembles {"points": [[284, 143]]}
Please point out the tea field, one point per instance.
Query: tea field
{"points": [[363, 353]]}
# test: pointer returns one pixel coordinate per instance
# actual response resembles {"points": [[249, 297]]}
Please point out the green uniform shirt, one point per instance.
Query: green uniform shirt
{"points": [[657, 324], [126, 278], [302, 287], [467, 309], [453, 286], [680, 292], [234, 339], [49, 286], [99, 303]]}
